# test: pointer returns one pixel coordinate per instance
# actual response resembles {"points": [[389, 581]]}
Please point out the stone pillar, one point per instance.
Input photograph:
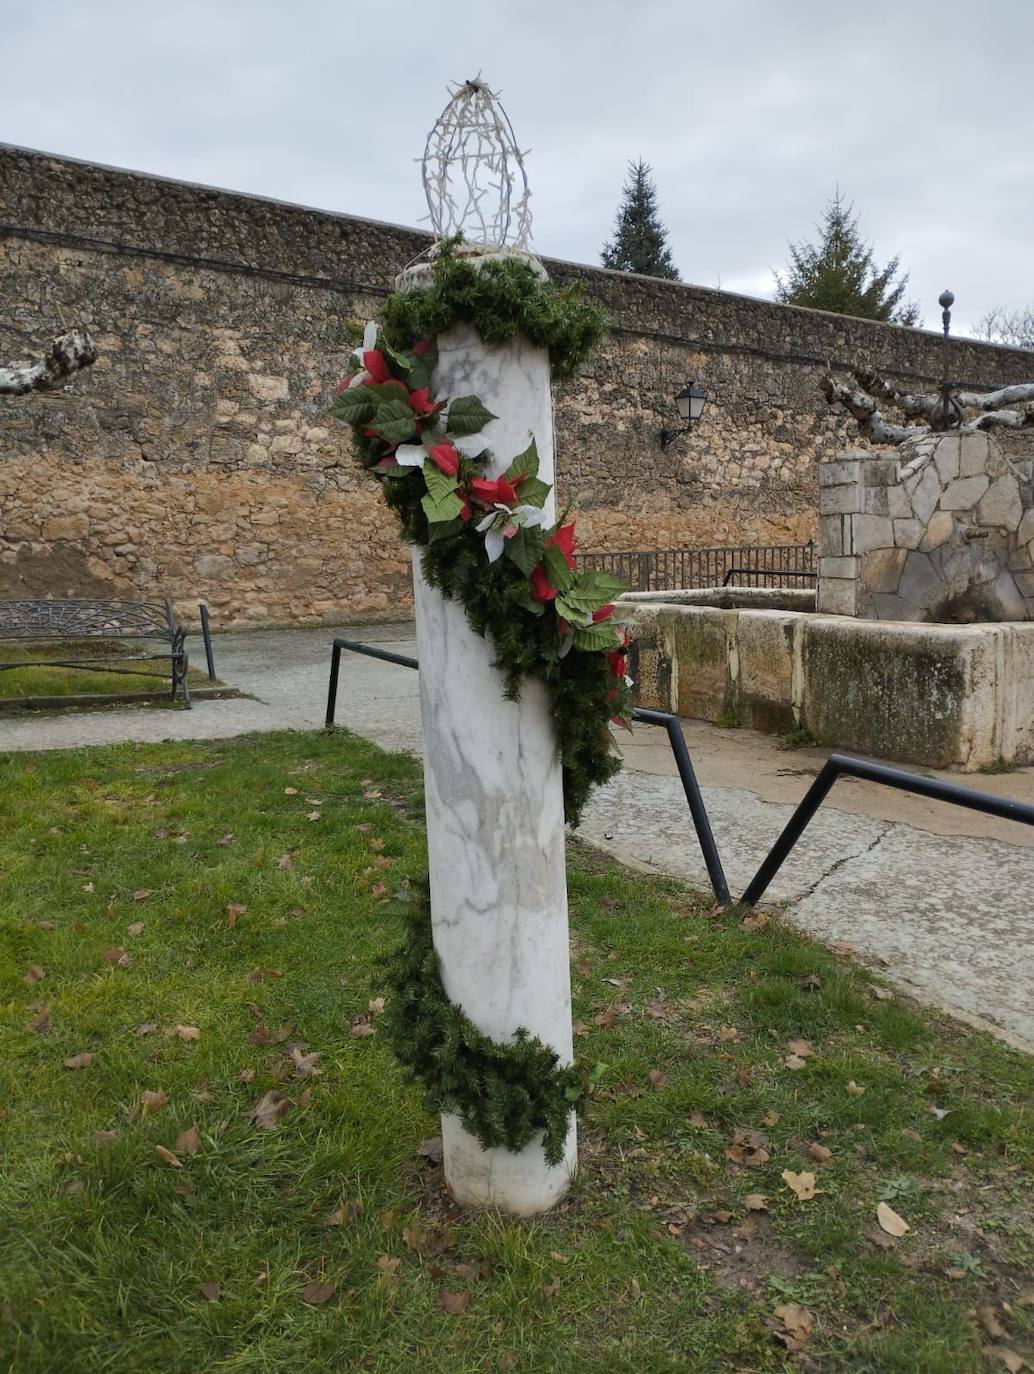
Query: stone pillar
{"points": [[494, 799]]}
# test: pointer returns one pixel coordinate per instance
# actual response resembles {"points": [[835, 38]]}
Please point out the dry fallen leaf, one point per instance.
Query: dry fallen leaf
{"points": [[854, 1089], [797, 1324], [988, 1319], [431, 1149], [728, 1034], [890, 1221], [270, 1110], [34, 973], [41, 1021], [100, 1138], [78, 1061], [152, 1101], [313, 816], [285, 861], [118, 957], [800, 1047], [137, 928], [168, 1156], [304, 1064], [770, 1118], [226, 839], [210, 1291], [548, 1290], [794, 1061], [658, 1079], [361, 1026], [698, 1119], [188, 1142], [186, 1032], [1013, 1362], [756, 1202], [142, 894], [454, 1303], [290, 791], [146, 1028], [802, 1184], [234, 911], [316, 1293], [820, 1153]]}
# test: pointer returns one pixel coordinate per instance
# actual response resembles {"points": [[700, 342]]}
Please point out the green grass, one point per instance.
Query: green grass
{"points": [[655, 1264], [18, 683]]}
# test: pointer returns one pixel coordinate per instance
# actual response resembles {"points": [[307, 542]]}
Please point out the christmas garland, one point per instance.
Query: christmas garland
{"points": [[486, 545], [504, 1094]]}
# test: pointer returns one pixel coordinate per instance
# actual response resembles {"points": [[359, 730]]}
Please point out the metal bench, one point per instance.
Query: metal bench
{"points": [[38, 623]]}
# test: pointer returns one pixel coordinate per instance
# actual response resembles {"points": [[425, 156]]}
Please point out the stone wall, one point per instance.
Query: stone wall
{"points": [[194, 458], [941, 529]]}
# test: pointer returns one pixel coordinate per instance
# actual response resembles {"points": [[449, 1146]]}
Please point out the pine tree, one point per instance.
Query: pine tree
{"points": [[839, 274], [640, 239]]}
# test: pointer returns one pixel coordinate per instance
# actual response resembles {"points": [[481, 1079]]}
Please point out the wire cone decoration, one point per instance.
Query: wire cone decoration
{"points": [[473, 172]]}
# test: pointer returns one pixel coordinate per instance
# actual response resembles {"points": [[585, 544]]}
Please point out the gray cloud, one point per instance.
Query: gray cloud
{"points": [[749, 112]]}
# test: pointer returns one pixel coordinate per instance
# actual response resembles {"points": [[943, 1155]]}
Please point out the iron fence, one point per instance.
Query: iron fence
{"points": [[663, 570]]}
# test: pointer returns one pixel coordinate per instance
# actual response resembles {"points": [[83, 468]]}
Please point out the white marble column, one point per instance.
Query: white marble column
{"points": [[495, 817]]}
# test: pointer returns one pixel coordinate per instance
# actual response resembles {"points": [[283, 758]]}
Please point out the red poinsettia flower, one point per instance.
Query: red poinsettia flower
{"points": [[564, 539], [421, 346], [617, 659], [497, 493], [420, 402], [466, 510], [376, 365], [604, 613], [541, 588], [445, 457]]}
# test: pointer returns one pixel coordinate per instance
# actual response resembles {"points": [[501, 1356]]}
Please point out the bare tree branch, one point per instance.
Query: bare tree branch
{"points": [[1011, 407], [66, 355]]}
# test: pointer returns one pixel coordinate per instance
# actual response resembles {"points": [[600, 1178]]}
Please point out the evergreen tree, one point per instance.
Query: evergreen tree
{"points": [[839, 274], [640, 239]]}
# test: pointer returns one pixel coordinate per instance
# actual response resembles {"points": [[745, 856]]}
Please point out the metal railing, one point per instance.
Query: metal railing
{"points": [[768, 573], [664, 570], [837, 765], [694, 798]]}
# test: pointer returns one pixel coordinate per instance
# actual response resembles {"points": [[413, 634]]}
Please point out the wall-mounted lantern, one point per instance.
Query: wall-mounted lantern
{"points": [[690, 404]]}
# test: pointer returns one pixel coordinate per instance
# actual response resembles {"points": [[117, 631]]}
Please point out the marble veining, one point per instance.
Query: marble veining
{"points": [[494, 800]]}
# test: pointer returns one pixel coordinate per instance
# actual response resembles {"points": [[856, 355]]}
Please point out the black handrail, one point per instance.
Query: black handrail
{"points": [[665, 719], [837, 765]]}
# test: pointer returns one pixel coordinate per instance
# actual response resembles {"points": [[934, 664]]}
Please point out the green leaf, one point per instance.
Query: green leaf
{"points": [[526, 464], [533, 492], [438, 484], [393, 390], [394, 421], [438, 512], [559, 574], [525, 548], [443, 529], [467, 415], [602, 586], [594, 637], [354, 406], [521, 596]]}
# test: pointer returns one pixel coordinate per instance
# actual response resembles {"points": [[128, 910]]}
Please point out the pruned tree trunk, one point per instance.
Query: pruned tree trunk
{"points": [[1011, 407], [68, 354]]}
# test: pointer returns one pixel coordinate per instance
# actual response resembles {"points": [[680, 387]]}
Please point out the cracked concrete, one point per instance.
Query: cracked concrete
{"points": [[938, 898]]}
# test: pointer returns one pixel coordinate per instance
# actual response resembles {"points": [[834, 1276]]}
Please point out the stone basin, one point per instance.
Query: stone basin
{"points": [[943, 696]]}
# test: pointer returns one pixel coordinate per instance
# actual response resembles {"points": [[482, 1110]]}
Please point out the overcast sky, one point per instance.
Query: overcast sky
{"points": [[749, 111]]}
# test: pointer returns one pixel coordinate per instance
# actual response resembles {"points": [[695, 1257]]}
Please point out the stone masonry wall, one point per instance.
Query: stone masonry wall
{"points": [[941, 529], [194, 458]]}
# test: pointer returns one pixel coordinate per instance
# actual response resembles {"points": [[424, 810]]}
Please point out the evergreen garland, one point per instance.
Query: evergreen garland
{"points": [[500, 297], [503, 1093]]}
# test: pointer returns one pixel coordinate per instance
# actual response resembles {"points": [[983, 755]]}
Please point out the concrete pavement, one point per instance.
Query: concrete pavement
{"points": [[940, 899]]}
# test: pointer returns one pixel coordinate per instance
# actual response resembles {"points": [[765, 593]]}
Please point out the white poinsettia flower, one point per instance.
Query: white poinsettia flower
{"points": [[410, 455], [629, 682], [495, 542], [369, 341], [530, 516], [487, 522], [470, 445]]}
